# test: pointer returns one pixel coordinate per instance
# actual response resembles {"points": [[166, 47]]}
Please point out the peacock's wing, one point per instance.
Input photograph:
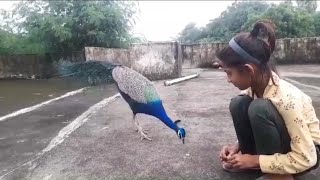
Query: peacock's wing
{"points": [[135, 85]]}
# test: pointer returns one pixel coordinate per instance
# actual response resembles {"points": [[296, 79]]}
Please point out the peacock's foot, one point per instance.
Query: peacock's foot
{"points": [[145, 131], [144, 136]]}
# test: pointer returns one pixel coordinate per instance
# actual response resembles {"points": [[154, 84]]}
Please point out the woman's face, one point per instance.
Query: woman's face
{"points": [[239, 78]]}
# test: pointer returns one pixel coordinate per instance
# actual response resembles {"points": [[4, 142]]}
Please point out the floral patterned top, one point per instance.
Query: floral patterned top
{"points": [[299, 115]]}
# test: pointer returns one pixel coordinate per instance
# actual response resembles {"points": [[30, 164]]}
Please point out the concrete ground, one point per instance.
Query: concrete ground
{"points": [[107, 146]]}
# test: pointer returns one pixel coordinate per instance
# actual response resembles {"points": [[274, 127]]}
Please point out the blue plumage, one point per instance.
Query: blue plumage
{"points": [[155, 109], [137, 90]]}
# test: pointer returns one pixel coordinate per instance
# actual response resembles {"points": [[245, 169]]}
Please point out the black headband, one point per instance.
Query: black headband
{"points": [[241, 52]]}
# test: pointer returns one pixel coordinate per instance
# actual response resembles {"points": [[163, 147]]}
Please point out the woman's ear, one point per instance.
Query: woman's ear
{"points": [[249, 69]]}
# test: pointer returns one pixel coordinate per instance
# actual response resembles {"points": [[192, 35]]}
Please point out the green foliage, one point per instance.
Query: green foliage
{"points": [[308, 5], [291, 21], [227, 25], [17, 44], [190, 33], [316, 18], [70, 25]]}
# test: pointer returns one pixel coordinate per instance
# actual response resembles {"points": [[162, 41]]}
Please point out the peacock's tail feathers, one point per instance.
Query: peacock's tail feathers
{"points": [[138, 87], [132, 83], [95, 72]]}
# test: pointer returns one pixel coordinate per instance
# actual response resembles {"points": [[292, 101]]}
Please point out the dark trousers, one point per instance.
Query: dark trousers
{"points": [[259, 127]]}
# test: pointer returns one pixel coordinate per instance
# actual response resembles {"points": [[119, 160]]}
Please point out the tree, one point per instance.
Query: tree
{"points": [[316, 18], [189, 34], [230, 21], [12, 43], [291, 22], [309, 5], [288, 2], [70, 25]]}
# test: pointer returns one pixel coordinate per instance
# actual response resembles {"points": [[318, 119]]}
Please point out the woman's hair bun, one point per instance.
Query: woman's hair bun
{"points": [[265, 31]]}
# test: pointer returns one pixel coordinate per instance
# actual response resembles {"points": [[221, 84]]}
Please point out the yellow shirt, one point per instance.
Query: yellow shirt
{"points": [[299, 116]]}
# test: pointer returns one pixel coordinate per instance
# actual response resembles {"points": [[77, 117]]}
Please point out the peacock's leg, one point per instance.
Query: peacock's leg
{"points": [[140, 130], [134, 120]]}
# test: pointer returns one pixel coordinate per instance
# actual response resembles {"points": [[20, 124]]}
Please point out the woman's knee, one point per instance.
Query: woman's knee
{"points": [[258, 107], [239, 103]]}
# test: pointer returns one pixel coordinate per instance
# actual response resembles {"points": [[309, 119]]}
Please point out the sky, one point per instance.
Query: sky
{"points": [[163, 20]]}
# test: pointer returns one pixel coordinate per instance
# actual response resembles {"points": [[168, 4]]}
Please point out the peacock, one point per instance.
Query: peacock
{"points": [[138, 91]]}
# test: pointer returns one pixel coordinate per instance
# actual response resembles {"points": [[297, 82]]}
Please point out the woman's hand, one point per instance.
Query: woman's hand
{"points": [[244, 161], [228, 151]]}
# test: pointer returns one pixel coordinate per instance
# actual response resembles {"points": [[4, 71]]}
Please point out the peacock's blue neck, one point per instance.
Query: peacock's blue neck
{"points": [[156, 109], [168, 121]]}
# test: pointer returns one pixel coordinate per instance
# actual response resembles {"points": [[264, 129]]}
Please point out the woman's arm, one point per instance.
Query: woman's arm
{"points": [[303, 153]]}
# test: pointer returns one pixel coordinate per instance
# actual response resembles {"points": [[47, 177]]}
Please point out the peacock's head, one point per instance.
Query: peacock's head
{"points": [[180, 132]]}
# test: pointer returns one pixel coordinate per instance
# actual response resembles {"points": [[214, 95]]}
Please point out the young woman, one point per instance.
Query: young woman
{"points": [[275, 122]]}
